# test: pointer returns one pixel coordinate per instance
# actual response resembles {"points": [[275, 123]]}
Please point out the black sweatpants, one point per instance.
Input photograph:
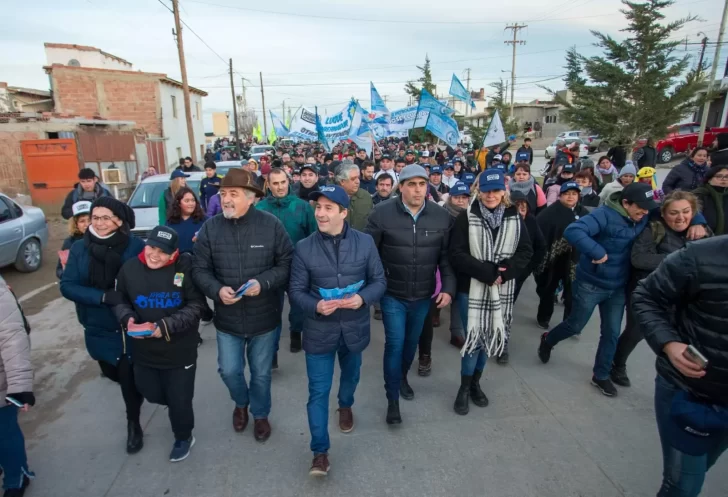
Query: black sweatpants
{"points": [[173, 388], [123, 374], [630, 337], [546, 292], [428, 332]]}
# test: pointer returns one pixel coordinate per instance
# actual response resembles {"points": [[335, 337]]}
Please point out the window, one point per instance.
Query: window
{"points": [[686, 129], [5, 214], [174, 106], [197, 110]]}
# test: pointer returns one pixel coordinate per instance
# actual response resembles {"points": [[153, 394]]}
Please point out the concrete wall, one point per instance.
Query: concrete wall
{"points": [[89, 57], [220, 124], [175, 128]]}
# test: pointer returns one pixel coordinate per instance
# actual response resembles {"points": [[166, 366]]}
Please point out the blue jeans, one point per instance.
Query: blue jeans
{"points": [[683, 474], [231, 353], [295, 320], [320, 368], [403, 320], [470, 363], [585, 297], [13, 459]]}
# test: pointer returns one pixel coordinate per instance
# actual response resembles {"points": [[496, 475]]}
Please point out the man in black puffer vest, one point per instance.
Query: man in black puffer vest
{"points": [[412, 235], [244, 246]]}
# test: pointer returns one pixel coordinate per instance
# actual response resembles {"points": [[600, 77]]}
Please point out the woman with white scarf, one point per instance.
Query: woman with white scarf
{"points": [[489, 247]]}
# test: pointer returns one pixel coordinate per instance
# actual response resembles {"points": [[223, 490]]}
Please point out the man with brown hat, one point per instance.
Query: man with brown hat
{"points": [[245, 247]]}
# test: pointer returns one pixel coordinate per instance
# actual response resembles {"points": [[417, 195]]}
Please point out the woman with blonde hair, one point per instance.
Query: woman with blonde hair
{"points": [[77, 226], [178, 179], [489, 248]]}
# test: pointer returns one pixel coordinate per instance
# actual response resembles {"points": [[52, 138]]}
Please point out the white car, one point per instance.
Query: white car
{"points": [[551, 149], [569, 134], [145, 200]]}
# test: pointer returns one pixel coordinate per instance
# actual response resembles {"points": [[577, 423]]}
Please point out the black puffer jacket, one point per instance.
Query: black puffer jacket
{"points": [[684, 300], [229, 252], [412, 251]]}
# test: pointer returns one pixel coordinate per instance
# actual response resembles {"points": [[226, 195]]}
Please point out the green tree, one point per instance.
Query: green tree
{"points": [[638, 86], [413, 88]]}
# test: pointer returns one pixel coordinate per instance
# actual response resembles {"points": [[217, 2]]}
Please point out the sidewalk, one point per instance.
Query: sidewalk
{"points": [[546, 433]]}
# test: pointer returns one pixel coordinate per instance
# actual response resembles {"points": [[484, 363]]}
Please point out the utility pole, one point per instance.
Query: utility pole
{"points": [[713, 71], [262, 97], [283, 109], [703, 42], [289, 115], [185, 86], [515, 28], [235, 111], [468, 110], [245, 100]]}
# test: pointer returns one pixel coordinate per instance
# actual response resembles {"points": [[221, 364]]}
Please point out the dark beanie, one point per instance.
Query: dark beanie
{"points": [[119, 209]]}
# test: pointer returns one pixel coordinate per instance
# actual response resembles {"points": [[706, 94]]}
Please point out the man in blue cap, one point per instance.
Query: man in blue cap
{"points": [[334, 257]]}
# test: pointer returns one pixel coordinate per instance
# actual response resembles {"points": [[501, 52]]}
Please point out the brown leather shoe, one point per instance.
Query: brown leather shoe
{"points": [[240, 419], [320, 465], [346, 419], [261, 430], [457, 341]]}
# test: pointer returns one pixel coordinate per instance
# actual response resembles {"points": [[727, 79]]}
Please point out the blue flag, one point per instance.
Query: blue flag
{"points": [[439, 123], [379, 109], [280, 128], [360, 132], [458, 91], [320, 133]]}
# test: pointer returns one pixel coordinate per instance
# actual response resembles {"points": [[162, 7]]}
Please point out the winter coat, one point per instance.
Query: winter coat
{"points": [[684, 301], [168, 298], [369, 185], [610, 189], [646, 157], [67, 243], [323, 261], [208, 189], [590, 201], [618, 156], [213, 206], [524, 153], [229, 252], [359, 208], [538, 245], [412, 250], [104, 339], [166, 199], [655, 243], [78, 194], [559, 261], [186, 230], [295, 214], [681, 177], [466, 266], [714, 206], [16, 370], [606, 231], [376, 199]]}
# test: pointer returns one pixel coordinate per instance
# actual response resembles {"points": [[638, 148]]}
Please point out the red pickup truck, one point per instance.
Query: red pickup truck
{"points": [[680, 138]]}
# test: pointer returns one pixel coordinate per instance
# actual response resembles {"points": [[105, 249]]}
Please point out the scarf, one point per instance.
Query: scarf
{"points": [[453, 209], [524, 186], [104, 257], [492, 218], [699, 173], [586, 190], [490, 307], [304, 192]]}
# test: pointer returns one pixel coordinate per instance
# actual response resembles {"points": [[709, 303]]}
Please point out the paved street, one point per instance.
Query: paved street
{"points": [[546, 433]]}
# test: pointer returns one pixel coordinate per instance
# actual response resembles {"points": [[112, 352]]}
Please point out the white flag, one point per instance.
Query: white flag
{"points": [[496, 134]]}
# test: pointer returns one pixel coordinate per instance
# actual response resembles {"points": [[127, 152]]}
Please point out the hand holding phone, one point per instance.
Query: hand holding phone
{"points": [[694, 355], [676, 352]]}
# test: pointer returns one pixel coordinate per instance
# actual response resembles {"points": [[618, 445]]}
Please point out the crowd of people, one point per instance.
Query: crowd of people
{"points": [[408, 231]]}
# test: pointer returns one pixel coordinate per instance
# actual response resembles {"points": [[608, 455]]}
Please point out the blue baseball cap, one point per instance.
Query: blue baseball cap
{"points": [[492, 179], [569, 185], [468, 178], [460, 188], [458, 159], [178, 173], [499, 166], [332, 192], [436, 170], [449, 165]]}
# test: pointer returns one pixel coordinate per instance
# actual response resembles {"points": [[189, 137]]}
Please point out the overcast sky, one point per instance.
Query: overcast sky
{"points": [[324, 52]]}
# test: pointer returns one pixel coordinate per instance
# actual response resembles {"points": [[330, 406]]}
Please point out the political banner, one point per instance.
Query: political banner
{"points": [[336, 128], [403, 120], [320, 132], [439, 122], [303, 126], [360, 132], [458, 91], [495, 134]]}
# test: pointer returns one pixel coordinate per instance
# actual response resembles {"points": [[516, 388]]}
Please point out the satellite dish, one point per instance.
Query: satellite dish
{"points": [[74, 63]]}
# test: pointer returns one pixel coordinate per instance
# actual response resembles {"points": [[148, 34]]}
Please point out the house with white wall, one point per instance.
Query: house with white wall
{"points": [[174, 125]]}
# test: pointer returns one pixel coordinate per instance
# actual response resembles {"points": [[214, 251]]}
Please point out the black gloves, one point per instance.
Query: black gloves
{"points": [[23, 397], [112, 297]]}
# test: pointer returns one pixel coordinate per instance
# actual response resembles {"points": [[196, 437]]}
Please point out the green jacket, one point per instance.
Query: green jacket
{"points": [[359, 208], [165, 204], [295, 214]]}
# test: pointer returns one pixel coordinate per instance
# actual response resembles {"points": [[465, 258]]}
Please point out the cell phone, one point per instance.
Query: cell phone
{"points": [[693, 355], [243, 289], [15, 402]]}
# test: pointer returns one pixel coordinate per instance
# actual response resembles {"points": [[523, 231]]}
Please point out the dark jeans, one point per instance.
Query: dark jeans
{"points": [[173, 388], [320, 369], [683, 474], [546, 289], [403, 320], [231, 353], [123, 374], [630, 337], [13, 459], [295, 320], [470, 363], [611, 309]]}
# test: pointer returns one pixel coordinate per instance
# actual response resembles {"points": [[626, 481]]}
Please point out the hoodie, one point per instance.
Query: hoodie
{"points": [[295, 214]]}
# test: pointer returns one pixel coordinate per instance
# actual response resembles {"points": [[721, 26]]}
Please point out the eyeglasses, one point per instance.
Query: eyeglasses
{"points": [[721, 177], [105, 219]]}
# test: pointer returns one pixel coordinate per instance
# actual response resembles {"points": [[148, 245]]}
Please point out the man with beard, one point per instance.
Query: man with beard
{"points": [[309, 182], [409, 157], [361, 156], [368, 182], [384, 189]]}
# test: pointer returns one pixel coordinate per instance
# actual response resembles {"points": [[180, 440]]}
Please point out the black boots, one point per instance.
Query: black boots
{"points": [[134, 437], [405, 390], [476, 393], [295, 341], [462, 400], [393, 415]]}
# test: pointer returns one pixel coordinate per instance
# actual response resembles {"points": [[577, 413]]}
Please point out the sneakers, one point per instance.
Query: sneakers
{"points": [[18, 492], [393, 415], [619, 376], [295, 341], [425, 367], [605, 386], [346, 419], [181, 449], [320, 465], [378, 314], [134, 437], [544, 349], [405, 390]]}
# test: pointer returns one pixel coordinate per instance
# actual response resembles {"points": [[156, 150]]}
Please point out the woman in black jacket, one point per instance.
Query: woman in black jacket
{"points": [[682, 305], [489, 249], [158, 296], [538, 243], [661, 237], [689, 174], [713, 199]]}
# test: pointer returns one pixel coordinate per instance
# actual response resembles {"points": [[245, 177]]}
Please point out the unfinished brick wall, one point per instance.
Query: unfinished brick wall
{"points": [[12, 167]]}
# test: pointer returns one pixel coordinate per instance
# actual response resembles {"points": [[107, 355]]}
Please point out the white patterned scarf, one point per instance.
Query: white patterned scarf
{"points": [[490, 307]]}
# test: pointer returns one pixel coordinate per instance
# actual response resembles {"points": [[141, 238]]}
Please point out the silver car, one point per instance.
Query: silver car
{"points": [[23, 235]]}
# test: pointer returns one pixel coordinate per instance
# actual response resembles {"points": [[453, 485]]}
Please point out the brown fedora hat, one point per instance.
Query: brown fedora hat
{"points": [[240, 178]]}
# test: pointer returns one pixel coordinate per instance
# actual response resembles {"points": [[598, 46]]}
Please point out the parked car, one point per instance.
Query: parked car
{"points": [[597, 144], [681, 138], [225, 165], [551, 149], [569, 134], [23, 235], [145, 200], [258, 151]]}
